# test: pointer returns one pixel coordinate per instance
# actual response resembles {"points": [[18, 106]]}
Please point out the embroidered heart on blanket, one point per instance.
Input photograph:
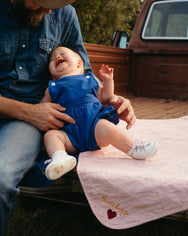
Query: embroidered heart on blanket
{"points": [[111, 214]]}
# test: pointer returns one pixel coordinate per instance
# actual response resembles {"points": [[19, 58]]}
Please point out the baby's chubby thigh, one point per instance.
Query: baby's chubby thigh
{"points": [[56, 140], [104, 131]]}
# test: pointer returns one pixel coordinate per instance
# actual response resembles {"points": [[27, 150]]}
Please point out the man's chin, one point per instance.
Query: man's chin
{"points": [[26, 16], [35, 19]]}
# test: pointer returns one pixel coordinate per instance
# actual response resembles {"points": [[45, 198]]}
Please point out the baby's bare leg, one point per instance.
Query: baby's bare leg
{"points": [[55, 140], [107, 133], [57, 145]]}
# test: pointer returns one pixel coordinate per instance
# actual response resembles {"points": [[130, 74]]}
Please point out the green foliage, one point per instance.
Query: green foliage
{"points": [[100, 18]]}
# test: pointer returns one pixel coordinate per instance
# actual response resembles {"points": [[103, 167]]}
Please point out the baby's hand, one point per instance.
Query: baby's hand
{"points": [[106, 73]]}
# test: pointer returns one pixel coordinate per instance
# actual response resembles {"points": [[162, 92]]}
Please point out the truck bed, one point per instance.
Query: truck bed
{"points": [[68, 188], [158, 108]]}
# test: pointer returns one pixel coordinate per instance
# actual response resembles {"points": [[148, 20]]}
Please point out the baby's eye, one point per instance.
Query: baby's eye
{"points": [[62, 54], [52, 59]]}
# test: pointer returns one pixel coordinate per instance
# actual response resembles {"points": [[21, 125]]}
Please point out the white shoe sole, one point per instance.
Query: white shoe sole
{"points": [[57, 169]]}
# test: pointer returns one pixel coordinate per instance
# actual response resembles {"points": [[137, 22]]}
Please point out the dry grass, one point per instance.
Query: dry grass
{"points": [[44, 218]]}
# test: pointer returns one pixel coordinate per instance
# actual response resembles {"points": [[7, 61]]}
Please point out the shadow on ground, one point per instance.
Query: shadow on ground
{"points": [[33, 217]]}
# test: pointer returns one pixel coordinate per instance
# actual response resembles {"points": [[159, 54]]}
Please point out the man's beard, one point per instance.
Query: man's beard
{"points": [[27, 16]]}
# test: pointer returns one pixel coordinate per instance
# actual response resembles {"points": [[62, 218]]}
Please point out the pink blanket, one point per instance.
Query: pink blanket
{"points": [[122, 192]]}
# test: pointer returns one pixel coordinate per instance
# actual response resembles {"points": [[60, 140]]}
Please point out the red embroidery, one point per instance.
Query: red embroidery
{"points": [[111, 214]]}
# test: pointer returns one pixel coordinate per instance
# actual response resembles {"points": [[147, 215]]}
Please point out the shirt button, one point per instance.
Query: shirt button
{"points": [[87, 77], [50, 49], [53, 83], [14, 82], [23, 45], [20, 67]]}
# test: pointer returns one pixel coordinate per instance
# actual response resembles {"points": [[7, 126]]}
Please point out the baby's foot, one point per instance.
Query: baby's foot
{"points": [[60, 166], [141, 151]]}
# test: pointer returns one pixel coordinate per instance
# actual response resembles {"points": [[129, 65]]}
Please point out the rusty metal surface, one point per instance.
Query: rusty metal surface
{"points": [[142, 46], [158, 68]]}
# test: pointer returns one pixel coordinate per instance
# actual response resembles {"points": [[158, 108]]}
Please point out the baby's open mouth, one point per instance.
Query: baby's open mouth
{"points": [[59, 61]]}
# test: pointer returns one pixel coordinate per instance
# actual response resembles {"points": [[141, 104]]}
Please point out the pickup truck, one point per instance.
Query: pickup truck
{"points": [[151, 70]]}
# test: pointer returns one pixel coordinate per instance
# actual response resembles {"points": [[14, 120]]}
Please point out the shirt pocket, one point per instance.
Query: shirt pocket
{"points": [[46, 46], [5, 54]]}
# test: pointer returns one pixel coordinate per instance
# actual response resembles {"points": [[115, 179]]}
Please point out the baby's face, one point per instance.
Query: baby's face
{"points": [[63, 62]]}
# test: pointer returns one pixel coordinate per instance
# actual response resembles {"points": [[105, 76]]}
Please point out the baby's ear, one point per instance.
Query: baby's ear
{"points": [[80, 63]]}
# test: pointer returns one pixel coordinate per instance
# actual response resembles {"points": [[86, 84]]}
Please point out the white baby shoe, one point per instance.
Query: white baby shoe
{"points": [[141, 151], [60, 164]]}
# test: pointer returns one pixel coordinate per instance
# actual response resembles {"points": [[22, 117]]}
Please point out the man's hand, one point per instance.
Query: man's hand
{"points": [[124, 110], [44, 116], [47, 116]]}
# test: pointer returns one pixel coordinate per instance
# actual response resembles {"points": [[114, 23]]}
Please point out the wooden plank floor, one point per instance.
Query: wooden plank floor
{"points": [[158, 108]]}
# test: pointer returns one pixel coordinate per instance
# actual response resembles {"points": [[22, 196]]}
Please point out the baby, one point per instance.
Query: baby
{"points": [[85, 100]]}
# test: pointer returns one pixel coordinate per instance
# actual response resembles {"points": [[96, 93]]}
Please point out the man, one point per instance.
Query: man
{"points": [[30, 30]]}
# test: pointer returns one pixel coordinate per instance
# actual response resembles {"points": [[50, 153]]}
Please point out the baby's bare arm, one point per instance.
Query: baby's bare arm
{"points": [[106, 96], [47, 97], [106, 92]]}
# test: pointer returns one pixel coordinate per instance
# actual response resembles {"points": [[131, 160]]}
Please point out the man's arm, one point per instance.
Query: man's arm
{"points": [[44, 116], [12, 109], [75, 41]]}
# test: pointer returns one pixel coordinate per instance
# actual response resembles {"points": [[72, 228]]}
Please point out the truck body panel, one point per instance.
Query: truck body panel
{"points": [[158, 65]]}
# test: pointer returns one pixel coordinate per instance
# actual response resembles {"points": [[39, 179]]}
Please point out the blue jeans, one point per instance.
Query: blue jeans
{"points": [[20, 144]]}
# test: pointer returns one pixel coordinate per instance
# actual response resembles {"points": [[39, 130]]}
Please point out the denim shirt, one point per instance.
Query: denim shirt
{"points": [[24, 50]]}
